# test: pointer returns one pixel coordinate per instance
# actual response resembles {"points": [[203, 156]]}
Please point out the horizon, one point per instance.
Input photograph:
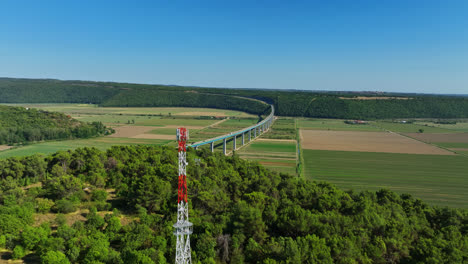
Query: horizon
{"points": [[246, 88], [398, 47]]}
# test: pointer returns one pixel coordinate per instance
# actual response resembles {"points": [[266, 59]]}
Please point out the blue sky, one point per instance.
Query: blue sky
{"points": [[400, 46]]}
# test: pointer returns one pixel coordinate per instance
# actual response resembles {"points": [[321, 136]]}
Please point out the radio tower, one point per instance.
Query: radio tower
{"points": [[183, 228]]}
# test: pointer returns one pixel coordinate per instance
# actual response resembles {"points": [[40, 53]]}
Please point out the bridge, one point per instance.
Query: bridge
{"points": [[252, 132]]}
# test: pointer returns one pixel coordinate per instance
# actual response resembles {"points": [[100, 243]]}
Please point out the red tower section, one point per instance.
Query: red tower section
{"points": [[182, 185]]}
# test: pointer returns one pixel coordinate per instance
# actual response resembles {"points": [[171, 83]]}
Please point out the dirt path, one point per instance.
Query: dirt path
{"points": [[5, 147], [217, 123]]}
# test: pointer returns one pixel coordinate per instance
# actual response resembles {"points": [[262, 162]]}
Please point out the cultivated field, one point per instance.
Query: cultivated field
{"points": [[282, 128], [54, 146], [139, 126], [437, 179], [366, 141], [73, 109], [459, 126], [433, 138], [411, 128], [334, 124], [277, 154]]}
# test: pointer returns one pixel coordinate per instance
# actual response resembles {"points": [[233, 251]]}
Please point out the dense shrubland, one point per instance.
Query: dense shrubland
{"points": [[242, 213], [286, 102], [20, 125]]}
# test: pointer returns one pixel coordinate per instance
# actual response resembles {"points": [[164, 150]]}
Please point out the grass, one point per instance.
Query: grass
{"points": [[333, 124], [461, 127], [169, 131], [94, 109], [143, 120], [452, 144], [436, 179], [54, 146], [237, 123], [276, 155], [281, 129], [411, 128], [272, 146]]}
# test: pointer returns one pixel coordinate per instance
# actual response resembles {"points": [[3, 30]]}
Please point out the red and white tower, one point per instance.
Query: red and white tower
{"points": [[183, 228]]}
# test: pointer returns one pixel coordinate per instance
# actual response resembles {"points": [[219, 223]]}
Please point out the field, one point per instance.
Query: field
{"points": [[282, 128], [459, 126], [366, 141], [411, 128], [74, 109], [447, 138], [279, 155], [351, 156], [437, 179], [139, 126], [54, 146], [334, 124]]}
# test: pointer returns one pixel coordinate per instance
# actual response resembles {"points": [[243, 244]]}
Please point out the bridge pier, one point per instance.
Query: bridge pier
{"points": [[224, 146], [250, 135], [255, 132], [234, 143], [212, 146], [243, 142]]}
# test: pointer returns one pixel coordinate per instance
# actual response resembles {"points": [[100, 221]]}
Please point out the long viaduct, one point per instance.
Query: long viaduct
{"points": [[250, 133]]}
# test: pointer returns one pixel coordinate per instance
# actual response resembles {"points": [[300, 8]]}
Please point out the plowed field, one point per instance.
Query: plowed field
{"points": [[366, 142], [432, 138]]}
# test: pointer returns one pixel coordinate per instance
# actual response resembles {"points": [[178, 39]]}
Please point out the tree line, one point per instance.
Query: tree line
{"points": [[286, 102], [21, 125], [242, 213]]}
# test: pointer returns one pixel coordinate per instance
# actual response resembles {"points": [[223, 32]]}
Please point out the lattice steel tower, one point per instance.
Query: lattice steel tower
{"points": [[183, 228]]}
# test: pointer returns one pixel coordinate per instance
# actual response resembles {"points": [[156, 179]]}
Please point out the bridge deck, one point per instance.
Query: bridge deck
{"points": [[235, 133]]}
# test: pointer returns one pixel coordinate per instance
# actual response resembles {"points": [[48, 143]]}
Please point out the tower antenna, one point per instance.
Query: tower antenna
{"points": [[183, 228]]}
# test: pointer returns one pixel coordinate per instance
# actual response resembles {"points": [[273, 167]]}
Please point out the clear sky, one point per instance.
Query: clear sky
{"points": [[378, 45]]}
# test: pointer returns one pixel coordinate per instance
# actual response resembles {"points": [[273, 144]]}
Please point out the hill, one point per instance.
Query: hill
{"points": [[344, 105], [119, 206], [20, 125]]}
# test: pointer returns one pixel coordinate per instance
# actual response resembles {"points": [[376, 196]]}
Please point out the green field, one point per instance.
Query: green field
{"points": [[168, 131], [334, 124], [411, 128], [94, 109], [143, 120], [54, 146], [282, 128], [436, 179], [452, 144], [269, 147], [459, 126], [276, 155], [238, 123]]}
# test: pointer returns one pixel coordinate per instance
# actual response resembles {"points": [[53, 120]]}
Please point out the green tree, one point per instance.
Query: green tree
{"points": [[54, 257]]}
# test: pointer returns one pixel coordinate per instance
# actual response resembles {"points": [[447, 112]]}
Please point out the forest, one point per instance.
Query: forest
{"points": [[118, 206], [344, 105], [21, 125]]}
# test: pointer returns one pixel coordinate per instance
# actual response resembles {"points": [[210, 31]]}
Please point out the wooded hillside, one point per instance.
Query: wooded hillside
{"points": [[20, 125], [119, 207], [346, 105]]}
